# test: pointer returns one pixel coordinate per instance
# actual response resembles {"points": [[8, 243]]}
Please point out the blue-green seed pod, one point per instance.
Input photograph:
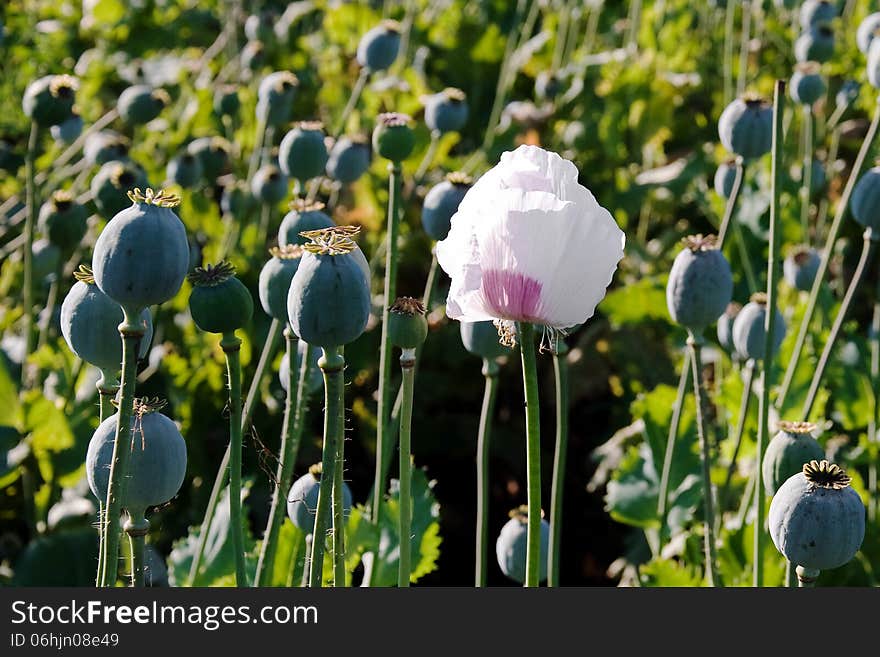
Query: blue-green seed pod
{"points": [[815, 44], [226, 100], [848, 93], [481, 339], [724, 329], [349, 159], [46, 259], [806, 85], [302, 154], [63, 220], [315, 380], [393, 138], [269, 185], [548, 85], [68, 130], [111, 185], [275, 278], [329, 300], [140, 104], [865, 203], [253, 56], [407, 326], [788, 451], [302, 500], [185, 170], [816, 519], [213, 153], [800, 267], [446, 111], [378, 48], [157, 464], [818, 178], [237, 201], [275, 97], [219, 302], [49, 100], [441, 202], [90, 324], [700, 284], [142, 255], [748, 328], [511, 546], [746, 127], [725, 175], [104, 146], [303, 217], [867, 30], [815, 12]]}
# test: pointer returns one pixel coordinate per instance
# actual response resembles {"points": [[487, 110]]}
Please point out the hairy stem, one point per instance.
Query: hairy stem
{"points": [[407, 369], [231, 346], [526, 334], [28, 283], [560, 369]]}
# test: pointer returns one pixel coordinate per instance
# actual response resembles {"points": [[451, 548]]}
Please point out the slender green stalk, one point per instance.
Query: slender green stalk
{"points": [[231, 346], [257, 153], [51, 301], [427, 160], [307, 560], [490, 373], [137, 528], [869, 247], [744, 48], [107, 389], [592, 28], [807, 577], [407, 369], [526, 333], [561, 35], [839, 214], [338, 504], [634, 19], [730, 206], [291, 435], [769, 328], [353, 99], [684, 379], [744, 404], [560, 369], [745, 261], [712, 578], [266, 355], [791, 578], [332, 364], [729, 18], [28, 283], [131, 331], [874, 339], [807, 174], [100, 543]]}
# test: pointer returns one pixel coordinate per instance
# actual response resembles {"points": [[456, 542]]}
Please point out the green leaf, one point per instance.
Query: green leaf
{"points": [[108, 12], [636, 303], [10, 408], [668, 572]]}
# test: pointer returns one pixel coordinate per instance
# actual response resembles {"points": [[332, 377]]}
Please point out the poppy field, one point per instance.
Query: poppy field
{"points": [[450, 293]]}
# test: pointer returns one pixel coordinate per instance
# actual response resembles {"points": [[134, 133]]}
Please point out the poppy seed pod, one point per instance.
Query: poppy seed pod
{"points": [[104, 146], [548, 85], [49, 100], [269, 185], [865, 203], [407, 326], [142, 255], [815, 12], [393, 138], [329, 300], [184, 170], [867, 31], [63, 220], [237, 201], [378, 48], [303, 154], [253, 56], [46, 259], [847, 93], [68, 130], [481, 339], [806, 85], [90, 324], [303, 217], [111, 184], [349, 159], [725, 176], [446, 111], [816, 519], [700, 284], [156, 465], [800, 267], [724, 329], [219, 302], [275, 278], [141, 104], [226, 100], [788, 451], [512, 546], [275, 97], [816, 44], [213, 153], [302, 500], [441, 202], [749, 331], [746, 127], [315, 381]]}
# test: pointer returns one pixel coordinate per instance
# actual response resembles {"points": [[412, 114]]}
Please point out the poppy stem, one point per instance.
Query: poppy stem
{"points": [[231, 346], [490, 373], [526, 334], [560, 369], [407, 368]]}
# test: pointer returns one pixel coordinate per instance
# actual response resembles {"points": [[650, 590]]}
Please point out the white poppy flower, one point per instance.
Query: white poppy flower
{"points": [[529, 243]]}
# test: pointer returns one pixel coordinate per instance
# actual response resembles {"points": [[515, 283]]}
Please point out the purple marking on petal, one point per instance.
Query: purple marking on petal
{"points": [[510, 295]]}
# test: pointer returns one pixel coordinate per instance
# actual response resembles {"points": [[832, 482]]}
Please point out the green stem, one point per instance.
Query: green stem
{"points": [[744, 404], [560, 369], [427, 160], [807, 577], [791, 578], [742, 74], [729, 18], [231, 346], [220, 479], [712, 577], [730, 206], [291, 435], [526, 333], [874, 339], [332, 364], [131, 331], [100, 543], [807, 174], [28, 283], [869, 246], [338, 503], [839, 214], [257, 153], [745, 260], [407, 369], [137, 528], [107, 389], [353, 99], [490, 373], [684, 379]]}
